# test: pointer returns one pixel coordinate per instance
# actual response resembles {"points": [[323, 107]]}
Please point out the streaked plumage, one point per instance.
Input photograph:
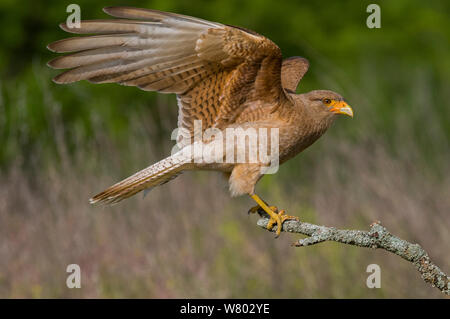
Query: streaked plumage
{"points": [[223, 76]]}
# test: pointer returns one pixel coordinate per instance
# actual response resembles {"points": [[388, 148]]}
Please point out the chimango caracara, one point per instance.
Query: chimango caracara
{"points": [[224, 77]]}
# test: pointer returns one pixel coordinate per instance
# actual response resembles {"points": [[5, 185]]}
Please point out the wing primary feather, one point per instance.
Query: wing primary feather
{"points": [[140, 72], [154, 15], [111, 26]]}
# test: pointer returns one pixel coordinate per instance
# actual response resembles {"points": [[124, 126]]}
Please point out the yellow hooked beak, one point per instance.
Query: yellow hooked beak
{"points": [[341, 107]]}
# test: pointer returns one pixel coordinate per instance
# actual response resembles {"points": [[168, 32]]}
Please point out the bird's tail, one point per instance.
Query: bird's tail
{"points": [[154, 175]]}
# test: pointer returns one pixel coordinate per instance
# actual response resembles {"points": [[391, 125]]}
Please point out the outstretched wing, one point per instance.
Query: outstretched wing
{"points": [[213, 68], [292, 71]]}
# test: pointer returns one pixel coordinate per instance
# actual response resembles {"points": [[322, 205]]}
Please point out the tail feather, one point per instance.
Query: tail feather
{"points": [[154, 175]]}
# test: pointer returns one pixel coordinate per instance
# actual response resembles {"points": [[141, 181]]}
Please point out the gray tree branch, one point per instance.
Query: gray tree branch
{"points": [[377, 237]]}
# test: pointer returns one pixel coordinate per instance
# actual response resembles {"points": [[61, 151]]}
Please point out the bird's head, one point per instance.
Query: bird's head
{"points": [[325, 103]]}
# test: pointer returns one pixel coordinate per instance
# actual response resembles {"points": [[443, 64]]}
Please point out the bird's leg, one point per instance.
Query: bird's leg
{"points": [[275, 217], [259, 209]]}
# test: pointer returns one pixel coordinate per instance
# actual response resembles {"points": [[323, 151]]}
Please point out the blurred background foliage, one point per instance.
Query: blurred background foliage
{"points": [[61, 144]]}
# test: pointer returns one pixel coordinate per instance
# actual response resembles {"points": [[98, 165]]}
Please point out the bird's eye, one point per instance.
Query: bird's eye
{"points": [[326, 101]]}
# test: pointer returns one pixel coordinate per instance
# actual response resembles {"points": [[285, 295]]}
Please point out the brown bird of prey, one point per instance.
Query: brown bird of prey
{"points": [[224, 77]]}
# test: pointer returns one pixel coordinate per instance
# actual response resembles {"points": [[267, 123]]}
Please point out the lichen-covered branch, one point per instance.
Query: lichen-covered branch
{"points": [[377, 237]]}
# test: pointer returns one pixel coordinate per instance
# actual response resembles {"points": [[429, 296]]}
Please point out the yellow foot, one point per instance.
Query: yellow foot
{"points": [[276, 217], [279, 219]]}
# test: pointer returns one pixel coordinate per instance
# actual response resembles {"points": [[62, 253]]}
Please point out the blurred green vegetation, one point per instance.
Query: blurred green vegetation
{"points": [[400, 72]]}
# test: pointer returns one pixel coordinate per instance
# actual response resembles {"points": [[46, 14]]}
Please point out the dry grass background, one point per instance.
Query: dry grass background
{"points": [[189, 239]]}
